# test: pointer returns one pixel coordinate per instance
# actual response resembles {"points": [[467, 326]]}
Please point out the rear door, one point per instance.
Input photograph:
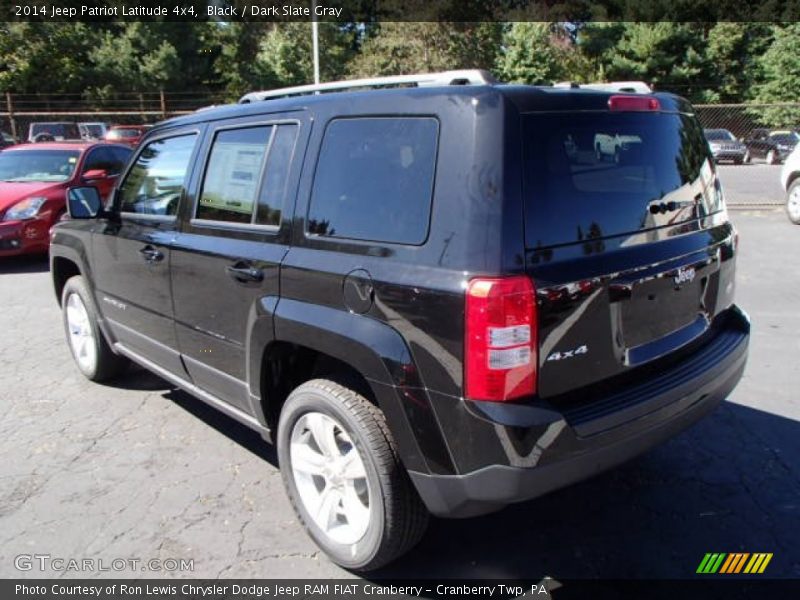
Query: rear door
{"points": [[629, 250], [235, 233], [131, 253]]}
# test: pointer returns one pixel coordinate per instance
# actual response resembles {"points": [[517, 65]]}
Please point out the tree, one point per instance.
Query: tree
{"points": [[413, 47], [670, 56], [45, 57], [285, 54], [733, 49], [780, 77], [540, 53]]}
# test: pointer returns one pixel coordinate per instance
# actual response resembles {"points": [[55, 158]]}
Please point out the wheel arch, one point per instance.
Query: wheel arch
{"points": [[312, 341]]}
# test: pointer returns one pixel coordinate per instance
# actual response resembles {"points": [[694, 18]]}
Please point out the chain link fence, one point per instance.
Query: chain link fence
{"points": [[19, 111], [742, 119], [753, 187]]}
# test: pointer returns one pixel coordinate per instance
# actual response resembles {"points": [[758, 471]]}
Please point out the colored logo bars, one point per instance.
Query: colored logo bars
{"points": [[737, 562]]}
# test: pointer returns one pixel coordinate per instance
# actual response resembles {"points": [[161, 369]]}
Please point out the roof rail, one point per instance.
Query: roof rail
{"points": [[465, 77], [635, 87]]}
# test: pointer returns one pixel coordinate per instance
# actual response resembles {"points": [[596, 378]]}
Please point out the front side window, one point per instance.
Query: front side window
{"points": [[374, 179], [155, 182]]}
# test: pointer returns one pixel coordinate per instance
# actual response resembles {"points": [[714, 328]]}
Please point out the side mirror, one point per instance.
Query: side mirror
{"points": [[95, 174], [83, 202]]}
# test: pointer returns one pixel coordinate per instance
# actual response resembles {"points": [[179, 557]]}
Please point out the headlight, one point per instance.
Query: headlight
{"points": [[27, 209]]}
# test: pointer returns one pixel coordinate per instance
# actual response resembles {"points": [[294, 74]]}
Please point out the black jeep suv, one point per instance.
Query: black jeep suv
{"points": [[435, 297]]}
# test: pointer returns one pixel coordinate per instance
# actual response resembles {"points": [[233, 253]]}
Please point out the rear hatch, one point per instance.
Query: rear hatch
{"points": [[627, 240]]}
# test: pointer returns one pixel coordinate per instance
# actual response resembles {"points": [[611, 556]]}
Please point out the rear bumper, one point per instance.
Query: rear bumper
{"points": [[556, 448]]}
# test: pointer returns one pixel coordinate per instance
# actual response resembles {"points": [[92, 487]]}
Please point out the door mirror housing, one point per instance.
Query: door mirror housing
{"points": [[95, 174], [84, 202]]}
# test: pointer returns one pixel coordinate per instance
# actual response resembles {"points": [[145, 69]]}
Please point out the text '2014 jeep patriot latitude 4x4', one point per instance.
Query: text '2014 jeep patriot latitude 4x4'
{"points": [[435, 297]]}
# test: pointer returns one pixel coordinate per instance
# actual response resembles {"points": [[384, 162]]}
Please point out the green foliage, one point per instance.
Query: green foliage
{"points": [[780, 77], [670, 56], [285, 54], [707, 62], [540, 53], [415, 47]]}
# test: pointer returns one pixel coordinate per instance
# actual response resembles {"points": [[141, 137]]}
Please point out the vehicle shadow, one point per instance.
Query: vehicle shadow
{"points": [[25, 264], [227, 426], [730, 484]]}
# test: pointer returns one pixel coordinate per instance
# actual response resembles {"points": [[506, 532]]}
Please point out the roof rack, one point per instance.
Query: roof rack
{"points": [[635, 87], [465, 77]]}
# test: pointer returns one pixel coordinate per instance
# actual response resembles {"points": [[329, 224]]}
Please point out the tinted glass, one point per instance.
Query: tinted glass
{"points": [[594, 175], [38, 165], [374, 180], [67, 131], [233, 175], [105, 159], [119, 134], [155, 182], [273, 191], [719, 135], [788, 139]]}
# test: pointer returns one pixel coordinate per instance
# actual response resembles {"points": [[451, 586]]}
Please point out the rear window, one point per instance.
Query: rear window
{"points": [[594, 175], [374, 179], [67, 131]]}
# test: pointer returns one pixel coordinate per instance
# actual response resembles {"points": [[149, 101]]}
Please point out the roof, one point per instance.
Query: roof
{"points": [[76, 145], [527, 98]]}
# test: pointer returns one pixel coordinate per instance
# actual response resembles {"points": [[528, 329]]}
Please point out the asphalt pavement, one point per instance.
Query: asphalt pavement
{"points": [[756, 184], [137, 470]]}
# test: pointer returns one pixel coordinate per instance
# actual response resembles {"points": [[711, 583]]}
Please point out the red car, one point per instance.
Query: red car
{"points": [[33, 183], [127, 134]]}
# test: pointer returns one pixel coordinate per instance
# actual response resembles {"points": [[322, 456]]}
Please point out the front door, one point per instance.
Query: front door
{"points": [[226, 259], [132, 253]]}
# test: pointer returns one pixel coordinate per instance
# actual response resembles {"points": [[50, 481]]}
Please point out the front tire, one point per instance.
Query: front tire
{"points": [[92, 354], [344, 478], [793, 202], [772, 158]]}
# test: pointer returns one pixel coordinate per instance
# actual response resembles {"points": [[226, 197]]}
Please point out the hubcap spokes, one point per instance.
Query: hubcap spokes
{"points": [[330, 477], [794, 203], [81, 337]]}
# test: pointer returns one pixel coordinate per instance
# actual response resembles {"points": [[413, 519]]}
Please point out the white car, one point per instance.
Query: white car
{"points": [[790, 179]]}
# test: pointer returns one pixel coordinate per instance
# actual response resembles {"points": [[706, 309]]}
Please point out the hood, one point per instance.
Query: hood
{"points": [[12, 192]]}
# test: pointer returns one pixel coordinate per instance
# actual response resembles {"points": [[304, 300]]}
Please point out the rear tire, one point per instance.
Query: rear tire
{"points": [[92, 354], [793, 202], [344, 477]]}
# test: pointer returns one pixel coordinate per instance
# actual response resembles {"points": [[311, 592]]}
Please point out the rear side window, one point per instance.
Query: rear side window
{"points": [[594, 175], [155, 182], [245, 180], [374, 179]]}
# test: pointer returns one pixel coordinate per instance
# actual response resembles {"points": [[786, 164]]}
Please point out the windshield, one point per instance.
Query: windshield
{"points": [[62, 130], [118, 134], [94, 130], [789, 139], [719, 134], [595, 175], [37, 165]]}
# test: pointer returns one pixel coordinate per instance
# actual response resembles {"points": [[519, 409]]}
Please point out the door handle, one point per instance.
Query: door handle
{"points": [[151, 255], [244, 273]]}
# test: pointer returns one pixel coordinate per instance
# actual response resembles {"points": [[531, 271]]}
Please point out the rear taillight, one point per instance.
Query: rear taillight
{"points": [[500, 339], [634, 103]]}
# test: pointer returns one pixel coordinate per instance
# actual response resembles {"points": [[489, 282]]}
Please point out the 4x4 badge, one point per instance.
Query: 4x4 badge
{"points": [[568, 353], [685, 275]]}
